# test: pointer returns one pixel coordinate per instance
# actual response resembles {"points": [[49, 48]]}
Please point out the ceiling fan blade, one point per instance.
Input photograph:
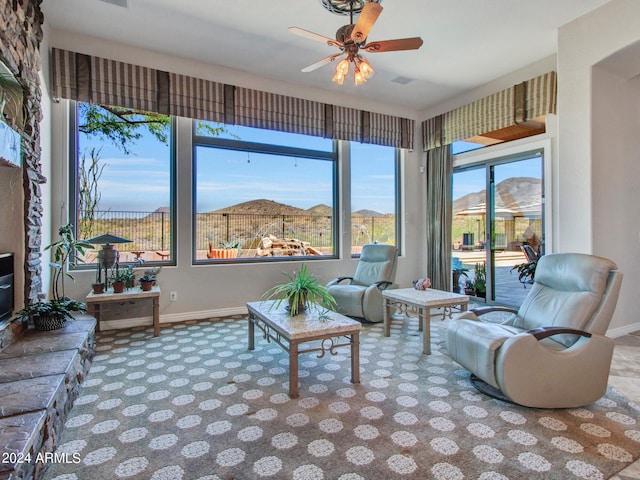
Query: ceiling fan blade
{"points": [[321, 63], [368, 16], [313, 36], [393, 45]]}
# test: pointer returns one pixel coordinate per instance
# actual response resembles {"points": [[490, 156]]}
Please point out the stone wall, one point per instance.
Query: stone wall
{"points": [[20, 37]]}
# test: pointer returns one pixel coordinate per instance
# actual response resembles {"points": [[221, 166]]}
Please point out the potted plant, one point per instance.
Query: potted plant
{"points": [[119, 281], [67, 250], [146, 282], [478, 286], [302, 289], [129, 277], [52, 314], [458, 271], [526, 272], [229, 249]]}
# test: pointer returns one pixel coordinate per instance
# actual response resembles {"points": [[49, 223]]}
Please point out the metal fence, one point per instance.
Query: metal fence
{"points": [[151, 231]]}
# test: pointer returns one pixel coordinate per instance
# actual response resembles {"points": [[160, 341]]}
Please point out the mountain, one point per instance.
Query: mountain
{"points": [[262, 206], [512, 193], [368, 213], [321, 209]]}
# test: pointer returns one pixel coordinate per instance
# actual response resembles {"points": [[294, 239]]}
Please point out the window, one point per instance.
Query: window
{"points": [[498, 208], [262, 195], [374, 195], [122, 183]]}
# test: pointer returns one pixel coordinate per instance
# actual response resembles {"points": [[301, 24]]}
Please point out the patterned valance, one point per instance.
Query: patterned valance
{"points": [[102, 81], [254, 108], [520, 103]]}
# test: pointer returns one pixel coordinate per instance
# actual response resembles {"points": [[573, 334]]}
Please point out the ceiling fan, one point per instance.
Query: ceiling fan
{"points": [[352, 38]]}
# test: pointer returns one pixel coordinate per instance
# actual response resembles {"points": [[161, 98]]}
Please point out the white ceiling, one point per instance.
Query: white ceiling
{"points": [[467, 43]]}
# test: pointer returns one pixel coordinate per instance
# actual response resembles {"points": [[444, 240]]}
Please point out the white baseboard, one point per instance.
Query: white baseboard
{"points": [[171, 318], [622, 331]]}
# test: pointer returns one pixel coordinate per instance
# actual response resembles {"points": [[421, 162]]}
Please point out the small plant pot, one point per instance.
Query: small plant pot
{"points": [[98, 288], [48, 322], [118, 287], [223, 253], [146, 286]]}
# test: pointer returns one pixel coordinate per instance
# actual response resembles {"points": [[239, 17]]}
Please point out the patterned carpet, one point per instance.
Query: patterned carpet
{"points": [[194, 403]]}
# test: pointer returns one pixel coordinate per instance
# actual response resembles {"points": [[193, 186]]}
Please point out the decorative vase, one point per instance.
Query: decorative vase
{"points": [[98, 288], [48, 322], [118, 287], [146, 286]]}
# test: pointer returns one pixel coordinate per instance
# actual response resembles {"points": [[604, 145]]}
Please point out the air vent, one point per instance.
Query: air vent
{"points": [[402, 80], [117, 3]]}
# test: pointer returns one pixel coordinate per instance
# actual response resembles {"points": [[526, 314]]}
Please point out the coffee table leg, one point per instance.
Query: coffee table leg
{"points": [[355, 357], [293, 370], [251, 332], [424, 317], [387, 319]]}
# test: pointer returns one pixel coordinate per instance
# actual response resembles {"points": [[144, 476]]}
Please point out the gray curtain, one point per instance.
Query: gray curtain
{"points": [[438, 248]]}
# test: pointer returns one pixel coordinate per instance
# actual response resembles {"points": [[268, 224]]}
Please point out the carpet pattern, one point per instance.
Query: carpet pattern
{"points": [[194, 403]]}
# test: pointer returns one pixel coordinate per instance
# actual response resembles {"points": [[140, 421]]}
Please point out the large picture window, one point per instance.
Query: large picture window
{"points": [[263, 195], [122, 181], [374, 195]]}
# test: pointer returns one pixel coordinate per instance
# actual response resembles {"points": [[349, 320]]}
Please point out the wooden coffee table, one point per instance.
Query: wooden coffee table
{"points": [[289, 332], [408, 300]]}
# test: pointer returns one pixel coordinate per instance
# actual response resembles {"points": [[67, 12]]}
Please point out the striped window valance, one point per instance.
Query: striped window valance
{"points": [[347, 124], [520, 103], [97, 80], [254, 108], [196, 98]]}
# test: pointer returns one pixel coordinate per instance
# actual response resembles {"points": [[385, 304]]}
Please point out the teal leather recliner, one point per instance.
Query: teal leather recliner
{"points": [[360, 296], [552, 352]]}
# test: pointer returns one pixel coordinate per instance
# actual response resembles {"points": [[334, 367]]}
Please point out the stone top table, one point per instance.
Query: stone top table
{"points": [[421, 302], [289, 332]]}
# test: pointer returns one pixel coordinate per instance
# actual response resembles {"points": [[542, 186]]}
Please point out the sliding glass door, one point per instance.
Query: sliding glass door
{"points": [[497, 210]]}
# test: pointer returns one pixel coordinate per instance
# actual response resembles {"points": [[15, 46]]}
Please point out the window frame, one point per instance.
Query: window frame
{"points": [[397, 171], [268, 149], [74, 159]]}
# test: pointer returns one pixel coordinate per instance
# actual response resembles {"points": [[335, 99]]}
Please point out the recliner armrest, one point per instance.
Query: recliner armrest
{"points": [[335, 281], [496, 308], [383, 284], [544, 332]]}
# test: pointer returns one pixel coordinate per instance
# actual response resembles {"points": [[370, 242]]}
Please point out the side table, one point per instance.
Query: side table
{"points": [[94, 300], [421, 302]]}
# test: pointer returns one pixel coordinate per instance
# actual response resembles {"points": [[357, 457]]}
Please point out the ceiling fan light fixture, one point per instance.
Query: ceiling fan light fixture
{"points": [[343, 67], [359, 77], [365, 68], [350, 39], [338, 78]]}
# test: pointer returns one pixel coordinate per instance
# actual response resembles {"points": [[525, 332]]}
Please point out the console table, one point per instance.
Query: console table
{"points": [[94, 300]]}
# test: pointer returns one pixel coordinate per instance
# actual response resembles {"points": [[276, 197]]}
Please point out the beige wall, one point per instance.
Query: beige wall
{"points": [[598, 175]]}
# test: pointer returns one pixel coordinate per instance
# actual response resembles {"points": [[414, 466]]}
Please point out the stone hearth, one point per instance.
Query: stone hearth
{"points": [[40, 377]]}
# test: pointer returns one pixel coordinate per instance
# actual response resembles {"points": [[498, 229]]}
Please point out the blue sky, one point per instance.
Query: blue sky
{"points": [[474, 180], [140, 182]]}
